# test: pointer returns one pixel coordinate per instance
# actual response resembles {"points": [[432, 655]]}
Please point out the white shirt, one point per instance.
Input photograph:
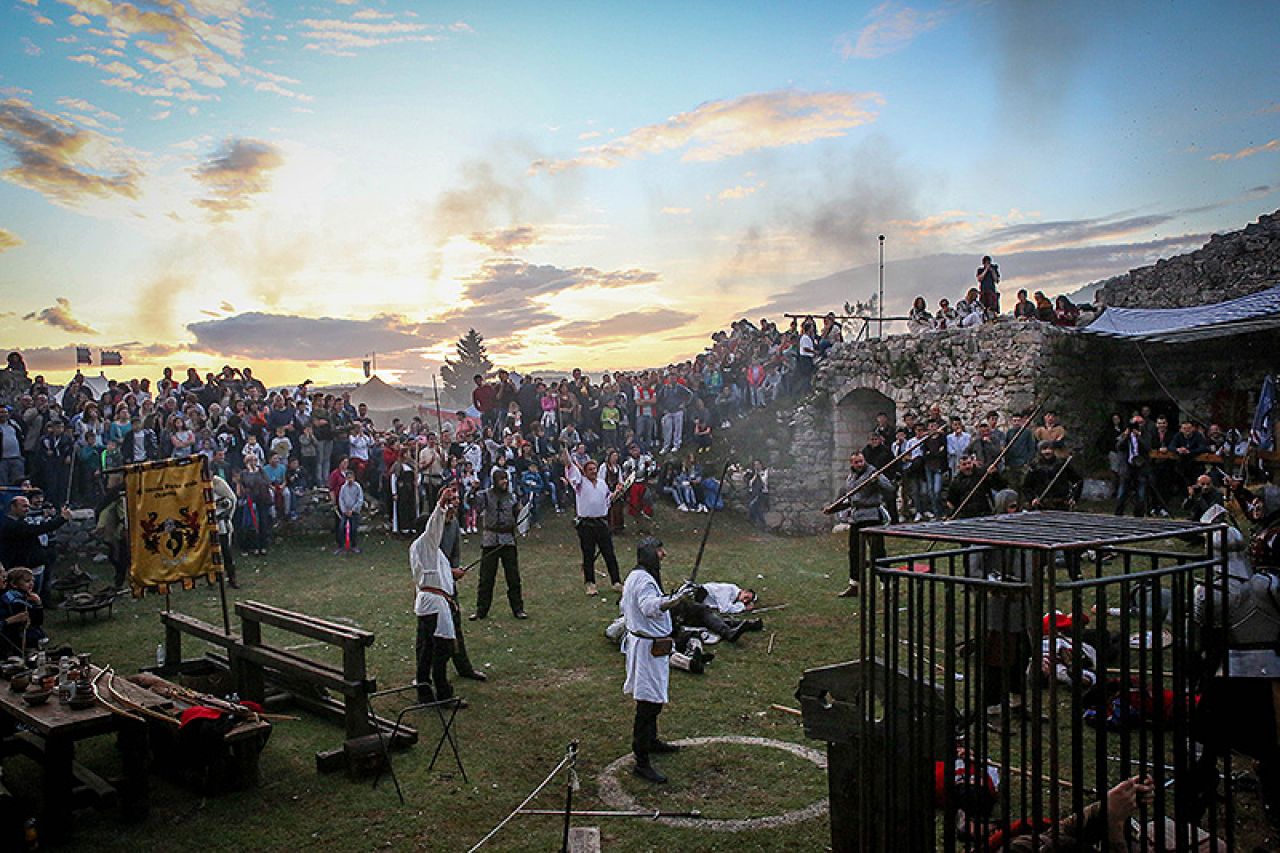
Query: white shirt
{"points": [[724, 597], [430, 567], [360, 446], [593, 498], [805, 346], [647, 676]]}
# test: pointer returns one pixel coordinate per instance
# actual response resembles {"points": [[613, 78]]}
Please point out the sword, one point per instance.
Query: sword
{"points": [[706, 531]]}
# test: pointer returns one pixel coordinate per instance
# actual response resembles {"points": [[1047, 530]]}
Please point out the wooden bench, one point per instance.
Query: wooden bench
{"points": [[255, 665]]}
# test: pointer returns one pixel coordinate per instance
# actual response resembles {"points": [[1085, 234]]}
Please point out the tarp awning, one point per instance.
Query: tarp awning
{"points": [[1253, 313]]}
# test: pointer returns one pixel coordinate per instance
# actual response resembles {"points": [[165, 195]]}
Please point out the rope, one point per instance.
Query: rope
{"points": [[567, 758]]}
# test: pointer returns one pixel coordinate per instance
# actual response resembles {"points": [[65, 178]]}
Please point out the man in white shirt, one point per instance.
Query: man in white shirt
{"points": [[360, 442], [593, 500], [434, 576], [645, 613], [711, 602]]}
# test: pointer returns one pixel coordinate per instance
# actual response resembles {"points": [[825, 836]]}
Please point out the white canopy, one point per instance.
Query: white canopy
{"points": [[1253, 313]]}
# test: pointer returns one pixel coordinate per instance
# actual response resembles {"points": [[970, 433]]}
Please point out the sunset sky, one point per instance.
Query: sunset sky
{"points": [[294, 185]]}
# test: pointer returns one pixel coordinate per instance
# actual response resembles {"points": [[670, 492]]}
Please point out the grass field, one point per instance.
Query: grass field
{"points": [[553, 679]]}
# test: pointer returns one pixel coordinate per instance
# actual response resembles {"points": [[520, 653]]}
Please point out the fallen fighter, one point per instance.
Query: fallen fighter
{"points": [[711, 603]]}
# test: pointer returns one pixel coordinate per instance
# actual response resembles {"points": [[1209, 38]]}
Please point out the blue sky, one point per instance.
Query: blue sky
{"points": [[295, 185]]}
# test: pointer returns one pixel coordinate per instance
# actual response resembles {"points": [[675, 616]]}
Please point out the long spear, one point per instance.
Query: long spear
{"points": [[843, 501]]}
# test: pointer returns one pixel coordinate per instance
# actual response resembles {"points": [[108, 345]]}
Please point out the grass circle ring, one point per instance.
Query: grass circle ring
{"points": [[614, 796]]}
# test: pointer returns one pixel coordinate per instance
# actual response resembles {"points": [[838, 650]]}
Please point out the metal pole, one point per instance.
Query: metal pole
{"points": [[881, 300], [568, 795]]}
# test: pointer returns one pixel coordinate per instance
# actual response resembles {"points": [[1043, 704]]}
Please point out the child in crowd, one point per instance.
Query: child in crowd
{"points": [[21, 610]]}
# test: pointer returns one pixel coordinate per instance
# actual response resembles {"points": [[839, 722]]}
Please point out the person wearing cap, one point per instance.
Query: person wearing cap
{"points": [[648, 646], [970, 491]]}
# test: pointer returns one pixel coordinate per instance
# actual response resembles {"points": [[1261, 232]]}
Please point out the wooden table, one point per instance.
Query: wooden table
{"points": [[52, 730]]}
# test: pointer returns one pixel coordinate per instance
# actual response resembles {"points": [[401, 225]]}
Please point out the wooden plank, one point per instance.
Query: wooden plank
{"points": [[320, 675], [199, 629], [298, 623], [584, 839]]}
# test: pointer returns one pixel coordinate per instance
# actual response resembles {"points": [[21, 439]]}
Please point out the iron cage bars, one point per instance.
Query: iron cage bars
{"points": [[1014, 569]]}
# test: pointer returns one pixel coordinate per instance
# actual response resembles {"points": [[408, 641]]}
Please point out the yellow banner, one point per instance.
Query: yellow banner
{"points": [[173, 537]]}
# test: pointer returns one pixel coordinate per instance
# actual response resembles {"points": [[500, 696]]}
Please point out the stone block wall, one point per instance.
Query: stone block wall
{"points": [[1227, 267]]}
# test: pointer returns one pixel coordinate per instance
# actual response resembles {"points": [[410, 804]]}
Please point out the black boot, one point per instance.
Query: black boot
{"points": [[755, 624], [736, 632], [647, 771]]}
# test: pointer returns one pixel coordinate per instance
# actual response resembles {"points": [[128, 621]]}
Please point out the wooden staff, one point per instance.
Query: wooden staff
{"points": [[995, 464], [843, 501]]}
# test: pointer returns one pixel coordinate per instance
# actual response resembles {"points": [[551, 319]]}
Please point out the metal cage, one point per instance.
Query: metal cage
{"points": [[1004, 683]]}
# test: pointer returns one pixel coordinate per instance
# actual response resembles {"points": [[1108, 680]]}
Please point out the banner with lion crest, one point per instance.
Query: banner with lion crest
{"points": [[173, 536]]}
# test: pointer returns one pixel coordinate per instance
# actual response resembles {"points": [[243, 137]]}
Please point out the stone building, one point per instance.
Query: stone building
{"points": [[1012, 366]]}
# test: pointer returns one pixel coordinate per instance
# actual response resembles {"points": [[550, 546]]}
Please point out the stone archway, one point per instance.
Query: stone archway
{"points": [[855, 416]]}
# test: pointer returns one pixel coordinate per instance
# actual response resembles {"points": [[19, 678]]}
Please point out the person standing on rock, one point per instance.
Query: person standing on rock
{"points": [[988, 276]]}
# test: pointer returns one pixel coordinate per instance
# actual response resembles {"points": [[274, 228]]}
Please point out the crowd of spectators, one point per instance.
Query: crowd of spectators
{"points": [[981, 304]]}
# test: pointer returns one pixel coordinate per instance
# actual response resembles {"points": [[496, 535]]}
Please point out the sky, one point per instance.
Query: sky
{"points": [[295, 185]]}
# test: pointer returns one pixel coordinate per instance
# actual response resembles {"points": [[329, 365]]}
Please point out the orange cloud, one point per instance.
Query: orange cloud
{"points": [[59, 317], [1273, 145], [366, 29], [507, 240], [892, 28], [60, 159], [717, 130], [9, 240], [239, 170]]}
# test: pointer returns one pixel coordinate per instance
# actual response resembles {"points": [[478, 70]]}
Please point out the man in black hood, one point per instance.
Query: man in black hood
{"points": [[648, 647]]}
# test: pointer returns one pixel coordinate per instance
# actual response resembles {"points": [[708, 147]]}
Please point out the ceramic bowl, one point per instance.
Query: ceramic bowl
{"points": [[36, 697], [20, 680]]}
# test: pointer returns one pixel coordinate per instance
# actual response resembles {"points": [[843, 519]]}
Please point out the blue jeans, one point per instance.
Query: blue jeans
{"points": [[933, 491]]}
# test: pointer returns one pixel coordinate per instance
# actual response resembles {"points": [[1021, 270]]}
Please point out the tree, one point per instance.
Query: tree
{"points": [[472, 359]]}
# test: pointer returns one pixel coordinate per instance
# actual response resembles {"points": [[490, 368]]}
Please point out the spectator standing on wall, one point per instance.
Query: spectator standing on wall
{"points": [[988, 276]]}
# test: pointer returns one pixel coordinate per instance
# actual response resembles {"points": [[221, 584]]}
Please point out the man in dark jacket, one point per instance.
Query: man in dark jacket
{"points": [[1135, 461], [19, 541], [969, 494], [1052, 483], [861, 506]]}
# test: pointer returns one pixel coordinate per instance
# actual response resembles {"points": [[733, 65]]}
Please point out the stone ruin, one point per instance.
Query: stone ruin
{"points": [[1010, 366]]}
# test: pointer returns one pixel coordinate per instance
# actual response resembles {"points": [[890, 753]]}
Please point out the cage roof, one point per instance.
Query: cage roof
{"points": [[1047, 531]]}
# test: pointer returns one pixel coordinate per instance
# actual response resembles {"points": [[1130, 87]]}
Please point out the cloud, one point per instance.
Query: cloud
{"points": [[285, 336], [30, 48], [717, 130], [624, 326], [511, 276], [947, 275], [63, 161], [1072, 232], [237, 171], [892, 27], [366, 29], [87, 113], [1273, 145], [507, 240], [738, 192], [59, 317], [9, 240], [187, 45], [677, 211]]}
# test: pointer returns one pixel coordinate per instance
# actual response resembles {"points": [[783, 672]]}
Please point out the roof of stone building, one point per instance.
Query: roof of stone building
{"points": [[1253, 313]]}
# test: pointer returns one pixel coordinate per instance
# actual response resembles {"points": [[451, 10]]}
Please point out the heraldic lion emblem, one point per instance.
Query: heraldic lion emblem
{"points": [[171, 536]]}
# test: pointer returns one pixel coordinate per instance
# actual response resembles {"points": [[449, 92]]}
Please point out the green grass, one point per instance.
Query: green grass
{"points": [[553, 679]]}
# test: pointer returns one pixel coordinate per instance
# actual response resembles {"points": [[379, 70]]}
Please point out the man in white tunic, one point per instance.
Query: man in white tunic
{"points": [[644, 610], [433, 576], [593, 497]]}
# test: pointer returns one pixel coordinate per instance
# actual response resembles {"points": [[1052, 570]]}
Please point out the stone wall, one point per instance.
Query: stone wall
{"points": [[1008, 366], [1227, 267]]}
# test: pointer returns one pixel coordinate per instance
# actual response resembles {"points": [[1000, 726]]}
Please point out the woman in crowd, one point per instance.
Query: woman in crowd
{"points": [[918, 318]]}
